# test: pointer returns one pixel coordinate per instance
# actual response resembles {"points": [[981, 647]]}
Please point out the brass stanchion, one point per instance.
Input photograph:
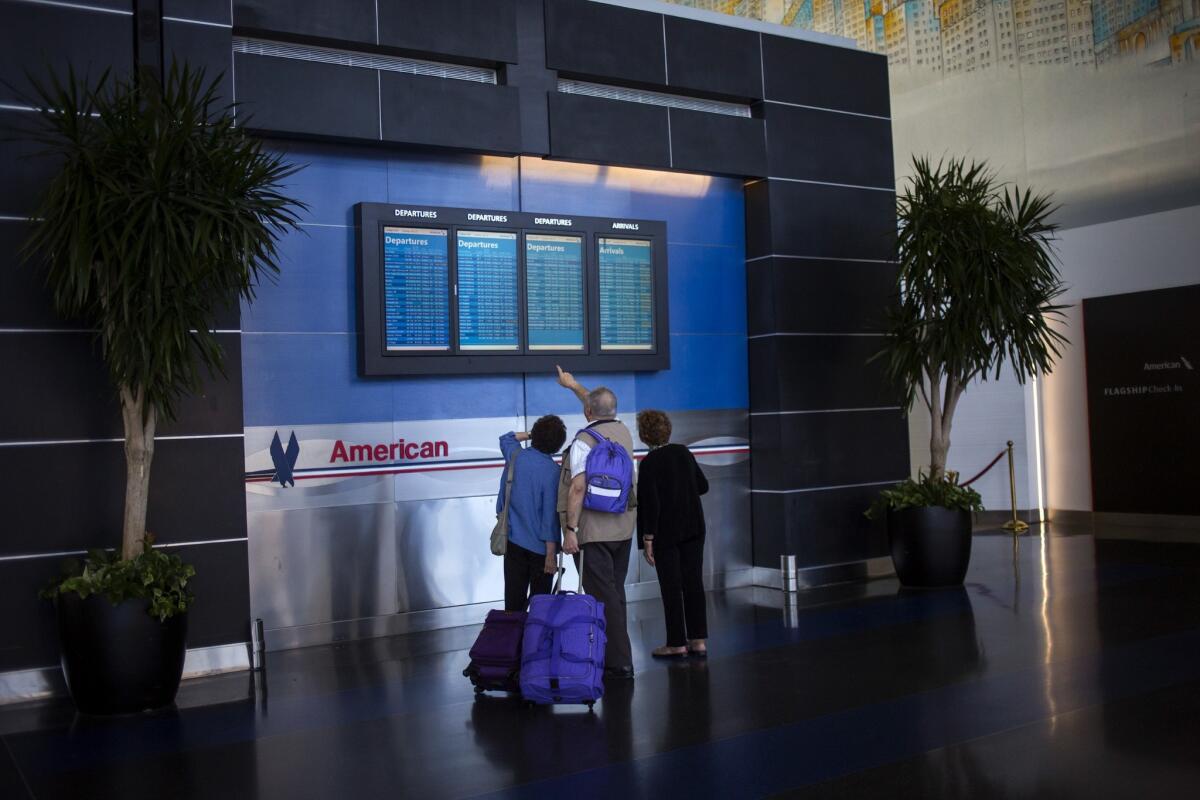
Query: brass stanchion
{"points": [[1015, 525]]}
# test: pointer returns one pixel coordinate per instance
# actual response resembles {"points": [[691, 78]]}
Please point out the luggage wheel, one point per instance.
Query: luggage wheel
{"points": [[478, 690]]}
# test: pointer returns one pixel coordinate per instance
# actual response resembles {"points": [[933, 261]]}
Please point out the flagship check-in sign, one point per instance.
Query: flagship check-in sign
{"points": [[1143, 377], [462, 290]]}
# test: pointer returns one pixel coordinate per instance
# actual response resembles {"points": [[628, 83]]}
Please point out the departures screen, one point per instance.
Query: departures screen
{"points": [[446, 291], [554, 291], [487, 291], [416, 288], [626, 294]]}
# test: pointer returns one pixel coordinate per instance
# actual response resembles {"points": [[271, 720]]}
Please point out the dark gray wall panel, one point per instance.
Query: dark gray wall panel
{"points": [[713, 59], [811, 219], [818, 527], [29, 635], [822, 372], [283, 95], [68, 394], [802, 295], [717, 143], [828, 146], [42, 38], [25, 301], [450, 113], [24, 298], [603, 41], [812, 74], [220, 614], [203, 46], [759, 240], [75, 494], [834, 449], [765, 369], [345, 20], [205, 10], [477, 30], [24, 171], [608, 131]]}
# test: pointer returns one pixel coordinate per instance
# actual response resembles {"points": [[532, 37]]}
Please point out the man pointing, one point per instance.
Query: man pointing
{"points": [[600, 527]]}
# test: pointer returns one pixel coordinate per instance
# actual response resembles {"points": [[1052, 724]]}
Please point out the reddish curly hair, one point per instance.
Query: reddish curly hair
{"points": [[654, 427]]}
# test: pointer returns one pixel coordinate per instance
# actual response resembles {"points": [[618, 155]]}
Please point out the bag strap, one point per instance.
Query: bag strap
{"points": [[512, 468]]}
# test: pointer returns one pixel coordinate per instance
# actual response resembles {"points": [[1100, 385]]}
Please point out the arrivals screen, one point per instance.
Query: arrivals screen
{"points": [[554, 291], [626, 294], [463, 290], [487, 291], [416, 281]]}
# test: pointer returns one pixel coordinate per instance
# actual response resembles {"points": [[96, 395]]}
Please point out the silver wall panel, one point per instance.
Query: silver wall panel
{"points": [[346, 555], [321, 564]]}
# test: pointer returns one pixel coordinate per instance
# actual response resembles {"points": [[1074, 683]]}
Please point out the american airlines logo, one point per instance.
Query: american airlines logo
{"points": [[412, 212], [552, 221], [474, 217], [625, 226], [1153, 366]]}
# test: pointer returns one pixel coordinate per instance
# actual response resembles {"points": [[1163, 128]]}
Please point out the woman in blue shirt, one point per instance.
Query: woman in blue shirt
{"points": [[533, 526]]}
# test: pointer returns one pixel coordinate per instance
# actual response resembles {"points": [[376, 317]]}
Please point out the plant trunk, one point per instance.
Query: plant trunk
{"points": [[941, 411], [139, 453], [939, 449]]}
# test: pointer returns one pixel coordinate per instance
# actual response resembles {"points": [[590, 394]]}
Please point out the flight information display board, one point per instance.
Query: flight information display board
{"points": [[626, 294], [465, 290], [416, 279], [487, 291], [554, 291]]}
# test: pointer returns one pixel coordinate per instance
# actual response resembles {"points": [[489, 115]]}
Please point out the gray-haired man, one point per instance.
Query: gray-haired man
{"points": [[605, 538]]}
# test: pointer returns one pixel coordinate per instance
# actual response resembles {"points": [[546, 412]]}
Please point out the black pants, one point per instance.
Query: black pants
{"points": [[605, 565], [524, 576], [681, 581]]}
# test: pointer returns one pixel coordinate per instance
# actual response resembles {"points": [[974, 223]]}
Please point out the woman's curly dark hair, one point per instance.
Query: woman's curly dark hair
{"points": [[548, 434], [654, 427]]}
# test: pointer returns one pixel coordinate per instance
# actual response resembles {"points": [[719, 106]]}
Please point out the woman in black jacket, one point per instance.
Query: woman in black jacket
{"points": [[670, 527]]}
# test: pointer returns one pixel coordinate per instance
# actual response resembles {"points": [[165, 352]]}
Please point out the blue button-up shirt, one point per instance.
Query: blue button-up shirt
{"points": [[532, 509]]}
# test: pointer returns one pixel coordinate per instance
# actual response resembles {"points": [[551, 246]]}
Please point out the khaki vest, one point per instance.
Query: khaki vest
{"points": [[598, 526]]}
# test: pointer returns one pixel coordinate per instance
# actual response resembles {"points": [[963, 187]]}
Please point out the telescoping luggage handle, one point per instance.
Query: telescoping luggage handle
{"points": [[563, 570]]}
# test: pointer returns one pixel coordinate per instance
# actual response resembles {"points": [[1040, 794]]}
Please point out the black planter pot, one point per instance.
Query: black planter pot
{"points": [[930, 546], [119, 659]]}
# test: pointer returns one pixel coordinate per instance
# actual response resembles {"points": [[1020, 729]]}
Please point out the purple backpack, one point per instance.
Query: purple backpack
{"points": [[609, 473], [496, 655], [562, 659]]}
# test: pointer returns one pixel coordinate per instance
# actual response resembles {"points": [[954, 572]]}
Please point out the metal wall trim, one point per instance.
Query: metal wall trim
{"points": [[24, 685]]}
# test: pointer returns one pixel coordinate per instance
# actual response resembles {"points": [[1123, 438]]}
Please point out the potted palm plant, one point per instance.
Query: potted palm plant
{"points": [[162, 212], [976, 284]]}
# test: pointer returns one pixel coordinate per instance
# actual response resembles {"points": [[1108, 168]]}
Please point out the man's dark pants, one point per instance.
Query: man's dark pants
{"points": [[605, 565], [524, 576]]}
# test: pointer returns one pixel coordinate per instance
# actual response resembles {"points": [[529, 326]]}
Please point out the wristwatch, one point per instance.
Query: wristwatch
{"points": [[572, 529]]}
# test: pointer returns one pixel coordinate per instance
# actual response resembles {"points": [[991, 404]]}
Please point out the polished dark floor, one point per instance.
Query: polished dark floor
{"points": [[1068, 666]]}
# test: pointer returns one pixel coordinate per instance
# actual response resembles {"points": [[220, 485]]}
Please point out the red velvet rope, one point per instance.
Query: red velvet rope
{"points": [[983, 471]]}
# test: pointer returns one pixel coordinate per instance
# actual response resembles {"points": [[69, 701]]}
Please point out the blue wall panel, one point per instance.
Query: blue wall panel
{"points": [[299, 361], [314, 291], [707, 371], [708, 289]]}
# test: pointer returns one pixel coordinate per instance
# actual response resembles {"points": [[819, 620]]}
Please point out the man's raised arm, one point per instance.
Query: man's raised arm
{"points": [[567, 381]]}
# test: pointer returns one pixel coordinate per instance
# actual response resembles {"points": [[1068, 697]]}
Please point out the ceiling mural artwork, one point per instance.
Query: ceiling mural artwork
{"points": [[1096, 100]]}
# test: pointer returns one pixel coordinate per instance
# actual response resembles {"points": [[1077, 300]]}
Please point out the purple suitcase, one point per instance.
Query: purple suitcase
{"points": [[496, 655], [562, 658]]}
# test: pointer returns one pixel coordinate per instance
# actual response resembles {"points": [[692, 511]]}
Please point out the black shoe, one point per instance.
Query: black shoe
{"points": [[619, 673]]}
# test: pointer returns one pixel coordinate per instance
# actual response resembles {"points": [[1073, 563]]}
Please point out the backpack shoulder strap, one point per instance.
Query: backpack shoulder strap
{"points": [[599, 437]]}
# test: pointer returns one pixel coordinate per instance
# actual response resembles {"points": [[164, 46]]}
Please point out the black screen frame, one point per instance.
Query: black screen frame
{"points": [[374, 360]]}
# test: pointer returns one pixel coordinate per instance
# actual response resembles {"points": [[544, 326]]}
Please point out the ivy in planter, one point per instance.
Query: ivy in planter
{"points": [[924, 492], [151, 575]]}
